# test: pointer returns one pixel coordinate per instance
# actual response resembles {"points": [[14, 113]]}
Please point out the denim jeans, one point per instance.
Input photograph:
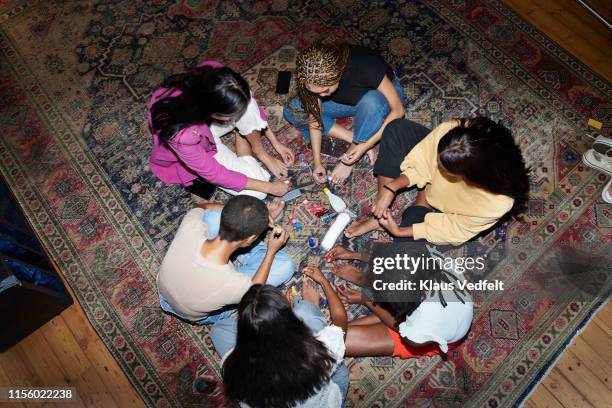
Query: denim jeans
{"points": [[281, 270], [223, 334], [370, 113]]}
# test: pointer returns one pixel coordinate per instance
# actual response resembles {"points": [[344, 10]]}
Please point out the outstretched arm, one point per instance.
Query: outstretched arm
{"points": [[275, 243], [352, 296], [336, 308], [284, 151]]}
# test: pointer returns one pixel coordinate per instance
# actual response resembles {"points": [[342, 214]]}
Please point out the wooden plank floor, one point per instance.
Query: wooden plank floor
{"points": [[573, 28], [67, 351]]}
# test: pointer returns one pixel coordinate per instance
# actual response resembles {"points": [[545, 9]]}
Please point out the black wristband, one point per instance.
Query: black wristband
{"points": [[390, 189]]}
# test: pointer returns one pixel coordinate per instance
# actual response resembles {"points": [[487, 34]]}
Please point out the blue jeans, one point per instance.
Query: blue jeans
{"points": [[370, 113], [223, 334], [281, 270]]}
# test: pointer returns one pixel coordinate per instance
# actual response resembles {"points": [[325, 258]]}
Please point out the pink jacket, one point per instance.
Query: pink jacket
{"points": [[190, 153]]}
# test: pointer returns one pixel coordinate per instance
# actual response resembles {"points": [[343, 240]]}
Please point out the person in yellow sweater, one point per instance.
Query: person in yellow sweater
{"points": [[470, 173]]}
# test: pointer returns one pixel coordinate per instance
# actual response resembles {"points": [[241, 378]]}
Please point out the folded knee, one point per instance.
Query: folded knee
{"points": [[293, 113], [373, 100], [392, 134], [283, 268]]}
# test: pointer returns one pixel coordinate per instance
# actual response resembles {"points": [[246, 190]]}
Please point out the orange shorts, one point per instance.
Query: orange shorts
{"points": [[403, 350]]}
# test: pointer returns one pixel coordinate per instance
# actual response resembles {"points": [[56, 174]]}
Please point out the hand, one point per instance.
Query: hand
{"points": [[279, 187], [276, 242], [315, 274], [350, 296], [290, 294], [353, 154], [310, 292], [319, 173], [275, 209], [387, 222], [285, 153], [276, 167], [338, 252], [382, 202]]}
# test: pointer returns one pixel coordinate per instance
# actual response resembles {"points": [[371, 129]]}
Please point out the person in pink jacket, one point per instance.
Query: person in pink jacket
{"points": [[187, 117]]}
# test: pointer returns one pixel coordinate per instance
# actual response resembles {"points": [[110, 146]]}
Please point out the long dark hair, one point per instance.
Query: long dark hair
{"points": [[203, 91], [485, 154], [277, 361]]}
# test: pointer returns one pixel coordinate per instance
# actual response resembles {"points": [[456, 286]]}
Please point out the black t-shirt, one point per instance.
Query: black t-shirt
{"points": [[364, 71]]}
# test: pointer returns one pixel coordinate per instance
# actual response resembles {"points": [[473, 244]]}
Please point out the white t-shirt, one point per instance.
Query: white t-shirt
{"points": [[249, 121], [190, 283], [433, 322]]}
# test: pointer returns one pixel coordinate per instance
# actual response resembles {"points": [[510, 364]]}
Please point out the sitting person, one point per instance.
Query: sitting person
{"points": [[338, 81], [196, 280], [276, 356], [187, 117], [425, 323], [471, 170]]}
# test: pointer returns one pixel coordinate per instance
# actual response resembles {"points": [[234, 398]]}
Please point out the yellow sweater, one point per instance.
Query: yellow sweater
{"points": [[465, 210]]}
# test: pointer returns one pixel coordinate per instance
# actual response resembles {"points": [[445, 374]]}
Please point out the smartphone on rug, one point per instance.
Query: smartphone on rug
{"points": [[283, 81]]}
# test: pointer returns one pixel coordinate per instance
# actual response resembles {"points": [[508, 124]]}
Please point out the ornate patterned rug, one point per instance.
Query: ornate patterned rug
{"points": [[75, 78]]}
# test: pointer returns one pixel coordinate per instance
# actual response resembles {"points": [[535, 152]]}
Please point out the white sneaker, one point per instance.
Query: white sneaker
{"points": [[597, 161], [606, 194], [603, 145]]}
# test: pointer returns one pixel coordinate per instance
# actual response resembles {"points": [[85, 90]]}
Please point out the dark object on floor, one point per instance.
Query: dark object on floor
{"points": [[29, 287], [202, 188], [283, 82], [203, 385], [334, 147]]}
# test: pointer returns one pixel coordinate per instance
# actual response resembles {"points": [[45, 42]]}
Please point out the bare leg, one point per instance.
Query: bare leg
{"points": [[342, 133], [370, 340], [369, 224], [349, 273], [243, 147], [254, 139], [372, 156], [362, 227], [276, 166], [365, 320]]}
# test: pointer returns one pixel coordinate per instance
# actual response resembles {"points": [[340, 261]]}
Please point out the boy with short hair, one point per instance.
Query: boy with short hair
{"points": [[198, 282]]}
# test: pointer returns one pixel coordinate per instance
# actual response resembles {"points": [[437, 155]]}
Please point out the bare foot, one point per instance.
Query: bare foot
{"points": [[341, 173], [310, 291], [372, 156], [276, 166], [275, 208], [349, 273], [358, 228], [339, 252]]}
